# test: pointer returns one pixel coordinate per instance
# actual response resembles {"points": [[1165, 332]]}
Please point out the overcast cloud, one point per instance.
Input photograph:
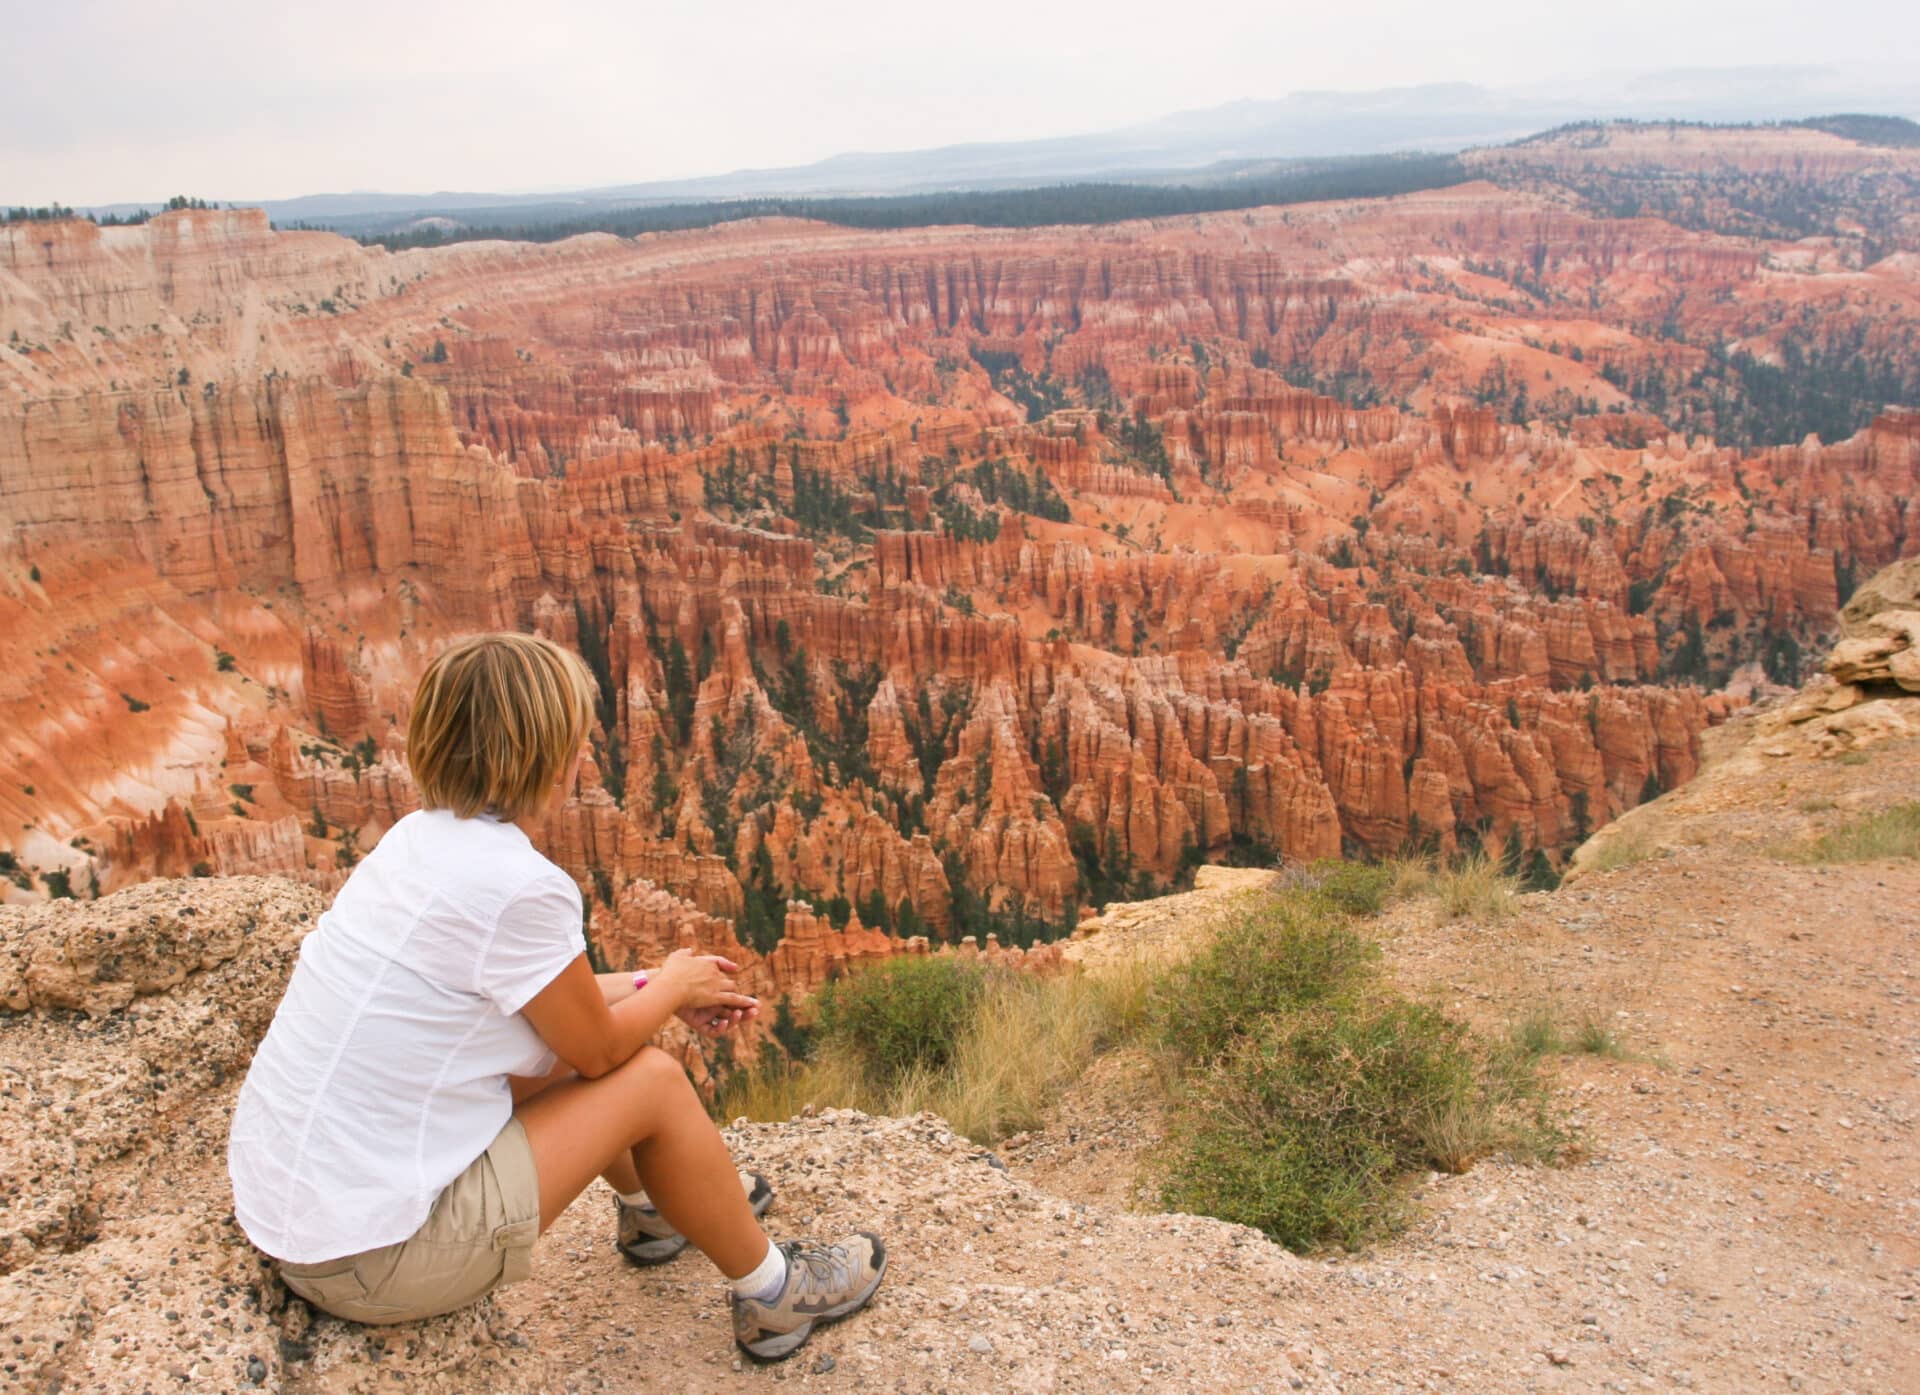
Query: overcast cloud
{"points": [[110, 100]]}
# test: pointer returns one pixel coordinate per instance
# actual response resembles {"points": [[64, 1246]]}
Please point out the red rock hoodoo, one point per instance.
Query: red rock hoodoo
{"points": [[936, 582]]}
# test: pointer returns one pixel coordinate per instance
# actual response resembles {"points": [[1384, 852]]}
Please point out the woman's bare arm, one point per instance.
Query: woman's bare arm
{"points": [[615, 988], [573, 1016]]}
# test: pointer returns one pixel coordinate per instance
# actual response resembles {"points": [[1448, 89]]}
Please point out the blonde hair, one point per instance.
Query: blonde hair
{"points": [[495, 721]]}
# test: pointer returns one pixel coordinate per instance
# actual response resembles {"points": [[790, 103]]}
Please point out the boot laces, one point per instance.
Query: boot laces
{"points": [[821, 1268]]}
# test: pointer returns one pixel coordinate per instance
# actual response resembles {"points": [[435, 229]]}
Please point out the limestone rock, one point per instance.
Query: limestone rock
{"points": [[1880, 629], [1896, 587]]}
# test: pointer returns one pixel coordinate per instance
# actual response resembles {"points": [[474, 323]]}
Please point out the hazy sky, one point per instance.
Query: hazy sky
{"points": [[109, 100]]}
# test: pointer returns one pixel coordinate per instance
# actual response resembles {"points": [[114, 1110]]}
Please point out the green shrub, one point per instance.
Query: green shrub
{"points": [[1304, 1126], [1285, 955], [1354, 888], [1309, 1087], [902, 1015]]}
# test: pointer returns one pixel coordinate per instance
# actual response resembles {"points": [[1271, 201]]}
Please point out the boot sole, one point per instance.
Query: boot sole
{"points": [[782, 1345], [648, 1253]]}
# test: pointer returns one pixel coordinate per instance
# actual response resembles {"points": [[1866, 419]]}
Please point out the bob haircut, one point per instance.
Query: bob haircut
{"points": [[495, 721]]}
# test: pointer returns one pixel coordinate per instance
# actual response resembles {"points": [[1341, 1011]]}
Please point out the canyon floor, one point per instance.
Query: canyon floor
{"points": [[1742, 1214]]}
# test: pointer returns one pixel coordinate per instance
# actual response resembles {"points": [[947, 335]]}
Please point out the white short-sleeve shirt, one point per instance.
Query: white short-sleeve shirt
{"points": [[384, 1074]]}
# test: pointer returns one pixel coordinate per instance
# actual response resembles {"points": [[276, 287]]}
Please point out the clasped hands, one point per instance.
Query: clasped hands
{"points": [[704, 993]]}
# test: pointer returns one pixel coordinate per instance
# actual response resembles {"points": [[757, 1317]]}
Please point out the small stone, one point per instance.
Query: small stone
{"points": [[823, 1364], [980, 1346]]}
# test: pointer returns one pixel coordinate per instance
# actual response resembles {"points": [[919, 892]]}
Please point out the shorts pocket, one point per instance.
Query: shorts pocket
{"points": [[331, 1287], [515, 1241]]}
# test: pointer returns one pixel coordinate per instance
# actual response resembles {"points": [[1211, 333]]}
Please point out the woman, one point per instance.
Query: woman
{"points": [[446, 1073]]}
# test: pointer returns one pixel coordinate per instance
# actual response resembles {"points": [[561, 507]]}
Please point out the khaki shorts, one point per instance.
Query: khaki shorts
{"points": [[478, 1237]]}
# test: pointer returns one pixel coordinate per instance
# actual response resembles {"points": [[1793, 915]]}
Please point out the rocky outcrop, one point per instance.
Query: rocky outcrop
{"points": [[178, 981], [125, 1028], [1880, 632]]}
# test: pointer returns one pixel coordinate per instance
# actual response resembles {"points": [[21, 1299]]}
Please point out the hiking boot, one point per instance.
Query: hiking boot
{"points": [[824, 1282], [645, 1237]]}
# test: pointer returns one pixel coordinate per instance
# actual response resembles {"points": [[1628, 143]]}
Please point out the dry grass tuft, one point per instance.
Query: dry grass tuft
{"points": [[1476, 888], [1595, 1035], [1893, 832], [1408, 875], [1537, 1034], [1543, 1031], [1024, 1039], [1623, 849]]}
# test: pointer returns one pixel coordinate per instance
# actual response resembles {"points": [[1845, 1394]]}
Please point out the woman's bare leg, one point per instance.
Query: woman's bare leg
{"points": [[525, 1087], [620, 1174], [645, 1109]]}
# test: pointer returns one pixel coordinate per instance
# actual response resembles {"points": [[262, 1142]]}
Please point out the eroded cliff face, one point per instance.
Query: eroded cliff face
{"points": [[937, 583]]}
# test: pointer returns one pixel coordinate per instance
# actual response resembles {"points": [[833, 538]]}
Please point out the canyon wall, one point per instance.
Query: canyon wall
{"points": [[938, 583]]}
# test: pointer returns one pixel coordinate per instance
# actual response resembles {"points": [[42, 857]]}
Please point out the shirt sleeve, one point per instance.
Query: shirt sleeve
{"points": [[539, 934]]}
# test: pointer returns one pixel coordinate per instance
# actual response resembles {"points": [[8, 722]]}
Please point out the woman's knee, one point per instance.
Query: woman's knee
{"points": [[654, 1071]]}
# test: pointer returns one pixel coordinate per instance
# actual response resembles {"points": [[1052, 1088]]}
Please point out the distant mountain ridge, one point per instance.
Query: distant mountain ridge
{"points": [[1868, 130], [1438, 117], [1893, 132]]}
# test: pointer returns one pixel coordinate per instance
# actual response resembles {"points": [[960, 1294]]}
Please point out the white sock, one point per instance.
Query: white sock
{"points": [[764, 1284], [638, 1198]]}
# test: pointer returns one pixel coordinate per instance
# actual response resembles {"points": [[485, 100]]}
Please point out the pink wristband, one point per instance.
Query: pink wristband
{"points": [[640, 980]]}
